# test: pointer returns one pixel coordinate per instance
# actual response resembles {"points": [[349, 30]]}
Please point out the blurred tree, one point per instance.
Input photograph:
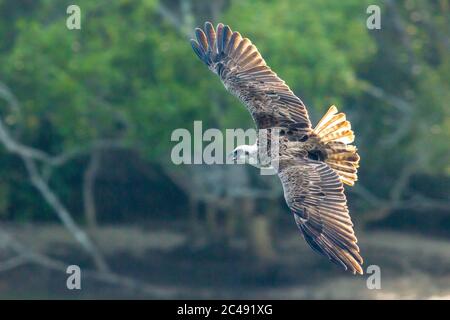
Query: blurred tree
{"points": [[407, 86], [129, 75]]}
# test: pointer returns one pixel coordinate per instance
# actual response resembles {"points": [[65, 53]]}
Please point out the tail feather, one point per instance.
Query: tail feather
{"points": [[330, 113], [335, 131]]}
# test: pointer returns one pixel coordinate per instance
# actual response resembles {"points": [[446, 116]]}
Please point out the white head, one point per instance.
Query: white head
{"points": [[245, 154]]}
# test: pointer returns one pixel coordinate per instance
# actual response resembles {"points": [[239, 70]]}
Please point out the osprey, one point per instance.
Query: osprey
{"points": [[314, 163]]}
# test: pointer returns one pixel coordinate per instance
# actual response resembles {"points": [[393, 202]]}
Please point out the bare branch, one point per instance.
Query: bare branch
{"points": [[63, 214], [384, 207], [365, 194], [401, 184], [400, 104], [405, 38], [13, 263], [27, 256], [171, 18], [25, 151], [395, 101], [99, 144], [183, 25], [89, 178], [10, 98], [29, 156], [20, 149]]}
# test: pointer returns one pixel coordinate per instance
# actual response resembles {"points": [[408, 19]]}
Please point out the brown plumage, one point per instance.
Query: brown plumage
{"points": [[313, 163]]}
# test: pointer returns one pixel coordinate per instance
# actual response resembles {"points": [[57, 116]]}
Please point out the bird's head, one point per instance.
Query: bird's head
{"points": [[244, 154]]}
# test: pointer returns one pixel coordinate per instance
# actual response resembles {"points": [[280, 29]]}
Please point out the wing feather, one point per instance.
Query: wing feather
{"points": [[313, 190], [316, 196], [245, 74]]}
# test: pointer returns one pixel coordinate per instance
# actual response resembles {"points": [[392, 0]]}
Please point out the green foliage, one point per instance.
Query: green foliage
{"points": [[125, 64], [315, 46], [130, 73]]}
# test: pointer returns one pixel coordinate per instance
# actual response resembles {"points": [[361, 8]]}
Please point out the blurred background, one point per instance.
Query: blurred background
{"points": [[86, 177]]}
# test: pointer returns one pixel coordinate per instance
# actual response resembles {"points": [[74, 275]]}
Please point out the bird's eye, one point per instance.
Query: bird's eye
{"points": [[304, 138]]}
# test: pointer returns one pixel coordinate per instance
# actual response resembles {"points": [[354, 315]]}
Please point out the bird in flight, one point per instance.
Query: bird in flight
{"points": [[314, 163]]}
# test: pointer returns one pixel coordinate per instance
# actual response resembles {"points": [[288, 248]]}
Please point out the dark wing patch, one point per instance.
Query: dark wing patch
{"points": [[245, 74], [316, 196]]}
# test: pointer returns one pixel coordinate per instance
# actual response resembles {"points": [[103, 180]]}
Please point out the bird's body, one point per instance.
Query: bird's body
{"points": [[313, 162]]}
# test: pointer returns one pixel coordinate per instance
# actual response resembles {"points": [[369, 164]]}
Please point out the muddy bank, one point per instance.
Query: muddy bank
{"points": [[412, 266]]}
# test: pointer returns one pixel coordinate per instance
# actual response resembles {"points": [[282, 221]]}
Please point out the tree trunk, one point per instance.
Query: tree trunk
{"points": [[211, 221], [90, 175], [258, 232], [230, 221], [193, 219]]}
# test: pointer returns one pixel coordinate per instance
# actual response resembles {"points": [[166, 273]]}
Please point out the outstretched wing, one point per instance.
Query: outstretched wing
{"points": [[316, 196], [245, 74]]}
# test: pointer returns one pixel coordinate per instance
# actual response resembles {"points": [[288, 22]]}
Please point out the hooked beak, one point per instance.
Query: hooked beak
{"points": [[231, 157]]}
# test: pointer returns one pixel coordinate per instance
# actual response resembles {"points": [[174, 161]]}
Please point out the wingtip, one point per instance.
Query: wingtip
{"points": [[219, 29], [333, 109], [357, 263], [354, 267], [197, 49], [208, 24], [359, 271], [201, 38]]}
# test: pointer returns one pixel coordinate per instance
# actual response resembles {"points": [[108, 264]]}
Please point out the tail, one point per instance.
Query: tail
{"points": [[335, 132]]}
